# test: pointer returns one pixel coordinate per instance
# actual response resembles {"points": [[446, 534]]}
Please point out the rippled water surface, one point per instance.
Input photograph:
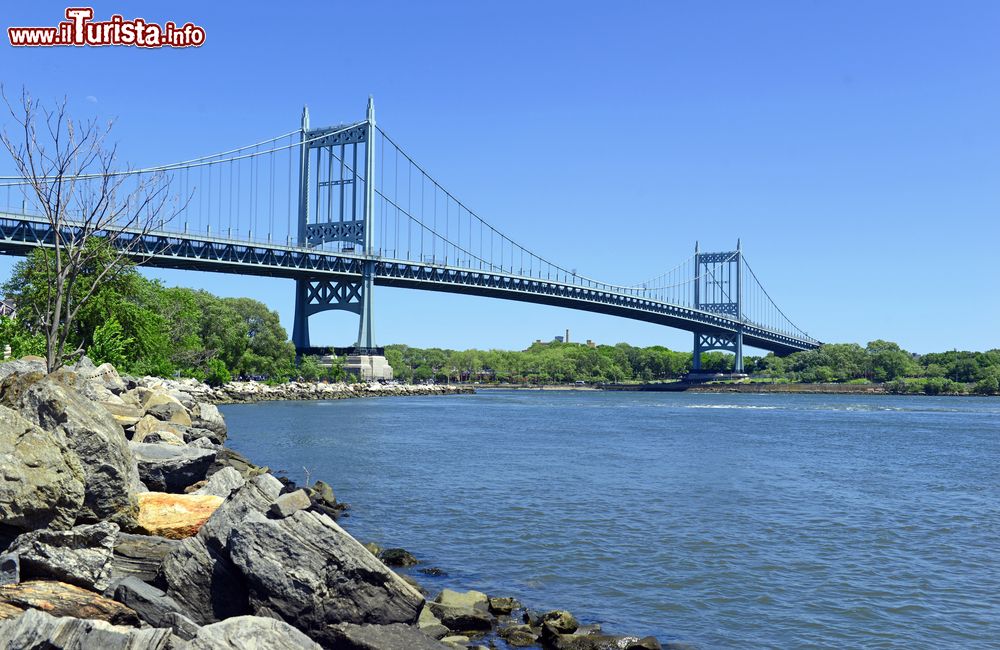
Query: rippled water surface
{"points": [[722, 520]]}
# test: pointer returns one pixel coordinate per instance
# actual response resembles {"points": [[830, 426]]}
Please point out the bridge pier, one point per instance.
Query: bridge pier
{"points": [[337, 188], [728, 342], [718, 288]]}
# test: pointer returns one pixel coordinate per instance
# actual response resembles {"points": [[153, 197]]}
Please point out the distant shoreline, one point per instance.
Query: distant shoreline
{"points": [[753, 388]]}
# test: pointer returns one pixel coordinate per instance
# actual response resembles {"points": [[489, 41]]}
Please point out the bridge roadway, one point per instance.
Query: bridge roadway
{"points": [[19, 234]]}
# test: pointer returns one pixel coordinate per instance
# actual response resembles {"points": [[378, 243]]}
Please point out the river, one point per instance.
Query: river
{"points": [[722, 520]]}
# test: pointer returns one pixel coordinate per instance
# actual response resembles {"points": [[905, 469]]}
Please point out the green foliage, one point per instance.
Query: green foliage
{"points": [[15, 333], [109, 344], [310, 368], [145, 328], [217, 374]]}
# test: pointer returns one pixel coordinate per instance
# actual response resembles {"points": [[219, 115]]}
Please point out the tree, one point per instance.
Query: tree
{"points": [[109, 344], [70, 178]]}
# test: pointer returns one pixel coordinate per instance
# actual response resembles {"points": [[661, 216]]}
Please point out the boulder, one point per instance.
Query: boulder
{"points": [[42, 482], [461, 619], [381, 637], [204, 442], [307, 570], [397, 557], [252, 633], [10, 569], [63, 599], [503, 606], [228, 458], [203, 582], [140, 555], [287, 504], [166, 408], [519, 636], [154, 606], [249, 503], [9, 611], [222, 483], [111, 478], [431, 625], [175, 516], [463, 611], [126, 415], [24, 365], [207, 416], [81, 556], [169, 468], [464, 599], [194, 433], [559, 621], [36, 630], [149, 425]]}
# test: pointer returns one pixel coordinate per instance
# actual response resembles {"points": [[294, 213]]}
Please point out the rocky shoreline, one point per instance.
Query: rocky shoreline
{"points": [[128, 523], [248, 392]]}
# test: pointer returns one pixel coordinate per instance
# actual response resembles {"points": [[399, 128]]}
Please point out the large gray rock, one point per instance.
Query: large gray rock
{"points": [[111, 478], [252, 633], [36, 630], [21, 366], [249, 503], [203, 582], [308, 571], [222, 483], [207, 416], [349, 636], [171, 468], [154, 606], [463, 611], [41, 483], [80, 556], [230, 458], [140, 555]]}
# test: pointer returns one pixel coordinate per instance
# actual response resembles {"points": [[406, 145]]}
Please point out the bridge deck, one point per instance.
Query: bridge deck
{"points": [[19, 234]]}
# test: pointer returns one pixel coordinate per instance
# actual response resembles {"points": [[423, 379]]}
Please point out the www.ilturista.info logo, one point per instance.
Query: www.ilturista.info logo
{"points": [[79, 29]]}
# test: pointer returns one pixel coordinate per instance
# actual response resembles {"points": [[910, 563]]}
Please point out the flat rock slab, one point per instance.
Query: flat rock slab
{"points": [[251, 633], [381, 637], [175, 516], [82, 555], [140, 555], [62, 599], [36, 630], [154, 606], [171, 468]]}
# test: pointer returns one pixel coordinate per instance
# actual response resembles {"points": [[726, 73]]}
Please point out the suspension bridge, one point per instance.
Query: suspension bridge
{"points": [[344, 208]]}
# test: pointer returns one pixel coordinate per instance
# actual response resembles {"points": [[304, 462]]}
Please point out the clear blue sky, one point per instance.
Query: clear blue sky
{"points": [[854, 146]]}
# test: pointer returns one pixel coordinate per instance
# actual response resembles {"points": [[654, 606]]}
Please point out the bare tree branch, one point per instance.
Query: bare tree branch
{"points": [[71, 180]]}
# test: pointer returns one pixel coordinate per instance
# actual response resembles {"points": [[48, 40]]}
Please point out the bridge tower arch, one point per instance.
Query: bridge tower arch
{"points": [[718, 288], [337, 204]]}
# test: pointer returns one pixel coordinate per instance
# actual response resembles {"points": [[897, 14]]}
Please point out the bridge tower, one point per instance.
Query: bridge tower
{"points": [[718, 288], [337, 204]]}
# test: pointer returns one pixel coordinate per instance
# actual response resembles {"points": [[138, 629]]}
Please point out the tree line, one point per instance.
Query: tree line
{"points": [[880, 362], [145, 328]]}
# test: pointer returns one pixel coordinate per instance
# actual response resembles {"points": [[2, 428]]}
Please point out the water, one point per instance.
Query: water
{"points": [[722, 520]]}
